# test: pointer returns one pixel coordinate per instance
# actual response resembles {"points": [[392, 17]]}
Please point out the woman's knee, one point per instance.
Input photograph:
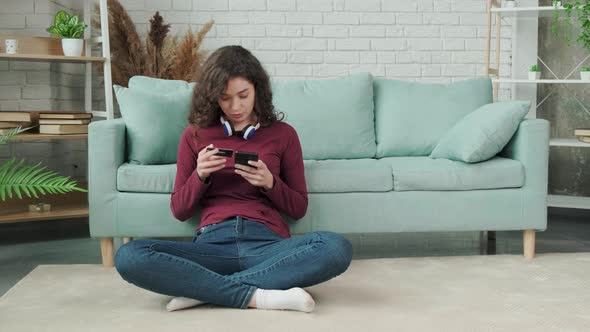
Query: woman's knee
{"points": [[339, 246], [127, 257]]}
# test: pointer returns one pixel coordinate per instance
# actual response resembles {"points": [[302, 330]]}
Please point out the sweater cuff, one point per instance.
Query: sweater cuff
{"points": [[274, 190], [198, 183]]}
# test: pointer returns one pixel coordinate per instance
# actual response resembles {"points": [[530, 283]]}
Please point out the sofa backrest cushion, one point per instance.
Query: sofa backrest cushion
{"points": [[158, 85], [333, 117], [411, 117], [154, 123]]}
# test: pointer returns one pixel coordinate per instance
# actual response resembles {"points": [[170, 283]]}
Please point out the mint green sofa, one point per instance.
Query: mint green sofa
{"points": [[365, 143]]}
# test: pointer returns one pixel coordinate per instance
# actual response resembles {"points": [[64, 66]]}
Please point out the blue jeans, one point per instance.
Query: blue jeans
{"points": [[227, 261]]}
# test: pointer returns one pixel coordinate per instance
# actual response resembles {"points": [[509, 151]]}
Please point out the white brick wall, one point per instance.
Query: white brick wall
{"points": [[438, 41], [444, 41]]}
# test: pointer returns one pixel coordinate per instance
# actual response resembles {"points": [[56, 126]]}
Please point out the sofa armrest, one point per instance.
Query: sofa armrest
{"points": [[106, 152], [530, 145]]}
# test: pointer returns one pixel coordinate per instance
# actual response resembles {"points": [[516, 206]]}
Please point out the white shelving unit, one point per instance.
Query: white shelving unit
{"points": [[48, 49], [494, 9]]}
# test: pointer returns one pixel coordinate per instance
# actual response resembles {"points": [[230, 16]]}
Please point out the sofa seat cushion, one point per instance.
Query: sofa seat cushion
{"points": [[146, 178], [347, 175], [424, 173], [322, 176]]}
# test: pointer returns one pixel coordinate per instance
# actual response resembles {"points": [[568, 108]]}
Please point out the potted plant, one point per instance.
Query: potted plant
{"points": [[509, 4], [556, 3], [71, 30], [534, 73], [31, 180], [585, 73]]}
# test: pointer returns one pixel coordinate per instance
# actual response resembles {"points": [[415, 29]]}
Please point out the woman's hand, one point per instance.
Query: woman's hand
{"points": [[259, 176], [208, 163]]}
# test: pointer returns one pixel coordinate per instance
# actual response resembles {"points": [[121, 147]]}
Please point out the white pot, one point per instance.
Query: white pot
{"points": [[509, 4], [585, 75], [72, 47], [534, 75]]}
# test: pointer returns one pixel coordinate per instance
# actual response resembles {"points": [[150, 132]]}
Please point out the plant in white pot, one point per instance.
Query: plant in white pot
{"points": [[585, 73], [534, 73], [71, 30]]}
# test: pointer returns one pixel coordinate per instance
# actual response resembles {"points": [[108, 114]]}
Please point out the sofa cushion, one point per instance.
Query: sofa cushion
{"points": [[146, 178], [158, 85], [410, 117], [353, 175], [154, 123], [333, 117], [424, 173], [483, 133]]}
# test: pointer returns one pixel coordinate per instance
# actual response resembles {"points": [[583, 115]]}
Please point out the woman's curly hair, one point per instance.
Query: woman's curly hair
{"points": [[225, 63]]}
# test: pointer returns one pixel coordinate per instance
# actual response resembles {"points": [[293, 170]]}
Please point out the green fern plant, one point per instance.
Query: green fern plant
{"points": [[30, 180]]}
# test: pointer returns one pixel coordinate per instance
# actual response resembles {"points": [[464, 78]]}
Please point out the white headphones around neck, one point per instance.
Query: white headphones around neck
{"points": [[247, 132]]}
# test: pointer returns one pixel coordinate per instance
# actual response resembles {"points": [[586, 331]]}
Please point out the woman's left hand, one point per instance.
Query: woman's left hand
{"points": [[259, 177]]}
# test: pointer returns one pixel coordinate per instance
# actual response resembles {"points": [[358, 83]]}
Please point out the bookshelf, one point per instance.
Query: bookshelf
{"points": [[495, 9], [49, 49]]}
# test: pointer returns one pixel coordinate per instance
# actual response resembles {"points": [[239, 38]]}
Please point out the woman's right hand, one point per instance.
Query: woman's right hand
{"points": [[208, 162]]}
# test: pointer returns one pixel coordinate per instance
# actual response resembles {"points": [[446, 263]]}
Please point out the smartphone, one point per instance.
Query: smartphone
{"points": [[242, 158], [223, 152]]}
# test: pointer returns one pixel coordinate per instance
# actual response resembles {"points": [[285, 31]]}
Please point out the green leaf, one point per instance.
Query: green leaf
{"points": [[61, 17], [28, 180], [73, 21]]}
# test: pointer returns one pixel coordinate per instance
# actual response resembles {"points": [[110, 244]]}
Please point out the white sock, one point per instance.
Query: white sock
{"points": [[178, 303], [291, 299]]}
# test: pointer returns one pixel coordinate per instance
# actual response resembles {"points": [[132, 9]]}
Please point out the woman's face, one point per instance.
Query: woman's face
{"points": [[237, 102]]}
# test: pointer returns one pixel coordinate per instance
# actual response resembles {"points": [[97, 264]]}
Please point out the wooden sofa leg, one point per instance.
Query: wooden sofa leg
{"points": [[529, 243], [106, 247]]}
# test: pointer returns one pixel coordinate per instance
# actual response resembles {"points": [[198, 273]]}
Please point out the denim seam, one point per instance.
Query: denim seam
{"points": [[266, 269], [238, 242], [248, 297]]}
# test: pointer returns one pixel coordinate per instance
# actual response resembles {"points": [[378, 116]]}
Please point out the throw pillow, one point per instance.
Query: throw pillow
{"points": [[482, 134], [154, 123]]}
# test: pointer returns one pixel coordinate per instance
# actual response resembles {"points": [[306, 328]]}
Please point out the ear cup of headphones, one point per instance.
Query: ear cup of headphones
{"points": [[248, 131], [228, 129]]}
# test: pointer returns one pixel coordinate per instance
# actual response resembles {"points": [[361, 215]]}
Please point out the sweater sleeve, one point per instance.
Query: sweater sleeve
{"points": [[289, 192], [188, 188]]}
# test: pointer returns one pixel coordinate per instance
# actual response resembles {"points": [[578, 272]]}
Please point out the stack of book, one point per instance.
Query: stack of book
{"points": [[583, 134], [14, 119], [64, 123]]}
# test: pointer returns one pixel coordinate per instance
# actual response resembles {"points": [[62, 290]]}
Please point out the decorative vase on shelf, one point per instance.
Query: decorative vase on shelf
{"points": [[585, 74], [534, 75], [509, 4], [72, 47]]}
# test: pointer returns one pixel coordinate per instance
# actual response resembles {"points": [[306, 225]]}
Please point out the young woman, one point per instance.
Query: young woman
{"points": [[242, 255]]}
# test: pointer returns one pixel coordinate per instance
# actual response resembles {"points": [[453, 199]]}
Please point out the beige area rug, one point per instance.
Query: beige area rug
{"points": [[471, 293]]}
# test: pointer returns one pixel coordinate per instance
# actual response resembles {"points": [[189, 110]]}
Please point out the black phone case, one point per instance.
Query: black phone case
{"points": [[223, 152], [243, 157]]}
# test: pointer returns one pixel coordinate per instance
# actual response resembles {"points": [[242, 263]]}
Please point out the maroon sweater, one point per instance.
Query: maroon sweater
{"points": [[227, 194]]}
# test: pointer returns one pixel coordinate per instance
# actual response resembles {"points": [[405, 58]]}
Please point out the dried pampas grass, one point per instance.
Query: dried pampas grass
{"points": [[188, 57], [163, 56]]}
